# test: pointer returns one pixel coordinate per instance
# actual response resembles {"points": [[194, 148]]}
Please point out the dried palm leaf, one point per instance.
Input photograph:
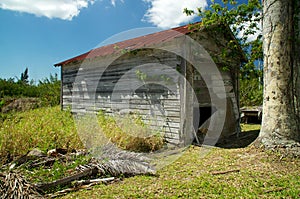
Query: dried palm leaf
{"points": [[113, 161], [14, 186]]}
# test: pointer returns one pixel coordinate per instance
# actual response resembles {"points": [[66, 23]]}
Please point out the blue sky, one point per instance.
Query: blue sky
{"points": [[37, 34]]}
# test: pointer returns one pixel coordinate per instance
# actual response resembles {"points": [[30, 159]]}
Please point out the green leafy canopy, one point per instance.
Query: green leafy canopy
{"points": [[243, 19]]}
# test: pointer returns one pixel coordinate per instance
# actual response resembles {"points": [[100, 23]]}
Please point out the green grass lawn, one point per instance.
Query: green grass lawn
{"points": [[255, 174], [248, 172]]}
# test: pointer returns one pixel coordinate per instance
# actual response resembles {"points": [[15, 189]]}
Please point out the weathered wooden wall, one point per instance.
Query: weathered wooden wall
{"points": [[119, 90], [215, 41]]}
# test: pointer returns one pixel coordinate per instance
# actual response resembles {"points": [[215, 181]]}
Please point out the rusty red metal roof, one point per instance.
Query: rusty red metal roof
{"points": [[132, 44]]}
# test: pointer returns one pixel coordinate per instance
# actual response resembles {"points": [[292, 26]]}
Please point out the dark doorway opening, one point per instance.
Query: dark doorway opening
{"points": [[201, 115]]}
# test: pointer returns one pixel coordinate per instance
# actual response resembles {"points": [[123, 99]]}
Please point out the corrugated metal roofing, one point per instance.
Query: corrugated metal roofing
{"points": [[135, 43]]}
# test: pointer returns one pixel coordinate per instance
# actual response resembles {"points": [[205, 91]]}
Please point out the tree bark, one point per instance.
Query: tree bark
{"points": [[280, 121]]}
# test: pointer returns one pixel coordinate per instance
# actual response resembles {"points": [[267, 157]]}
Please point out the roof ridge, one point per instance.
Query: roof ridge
{"points": [[137, 42]]}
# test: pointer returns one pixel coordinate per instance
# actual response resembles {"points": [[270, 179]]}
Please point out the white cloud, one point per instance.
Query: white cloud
{"points": [[62, 9], [113, 2], [258, 29], [169, 13], [255, 35]]}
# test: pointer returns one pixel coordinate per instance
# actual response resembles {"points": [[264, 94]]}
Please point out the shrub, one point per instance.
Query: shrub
{"points": [[251, 92], [49, 91]]}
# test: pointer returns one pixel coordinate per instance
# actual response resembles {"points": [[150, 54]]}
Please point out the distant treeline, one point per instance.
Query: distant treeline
{"points": [[47, 90]]}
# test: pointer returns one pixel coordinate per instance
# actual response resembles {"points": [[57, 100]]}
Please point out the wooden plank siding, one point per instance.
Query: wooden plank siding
{"points": [[215, 42], [165, 105], [84, 91]]}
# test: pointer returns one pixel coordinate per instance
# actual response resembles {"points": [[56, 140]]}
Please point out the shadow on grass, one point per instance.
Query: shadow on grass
{"points": [[242, 140]]}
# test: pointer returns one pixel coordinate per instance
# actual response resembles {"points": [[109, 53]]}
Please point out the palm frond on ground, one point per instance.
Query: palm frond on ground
{"points": [[14, 186], [110, 160]]}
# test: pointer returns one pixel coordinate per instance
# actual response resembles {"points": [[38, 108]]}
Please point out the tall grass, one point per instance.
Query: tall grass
{"points": [[44, 128], [49, 127], [129, 132]]}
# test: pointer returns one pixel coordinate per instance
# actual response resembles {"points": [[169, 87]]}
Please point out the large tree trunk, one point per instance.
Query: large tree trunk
{"points": [[280, 122]]}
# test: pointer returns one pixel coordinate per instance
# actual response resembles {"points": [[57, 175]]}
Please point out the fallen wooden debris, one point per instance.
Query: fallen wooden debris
{"points": [[108, 161], [57, 152], [42, 162], [67, 180], [225, 172], [98, 180], [82, 184]]}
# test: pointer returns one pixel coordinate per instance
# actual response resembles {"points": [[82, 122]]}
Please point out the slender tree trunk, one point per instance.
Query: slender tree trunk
{"points": [[296, 57], [280, 122]]}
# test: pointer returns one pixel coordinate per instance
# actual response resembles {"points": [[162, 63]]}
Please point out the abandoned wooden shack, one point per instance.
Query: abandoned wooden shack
{"points": [[157, 77]]}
